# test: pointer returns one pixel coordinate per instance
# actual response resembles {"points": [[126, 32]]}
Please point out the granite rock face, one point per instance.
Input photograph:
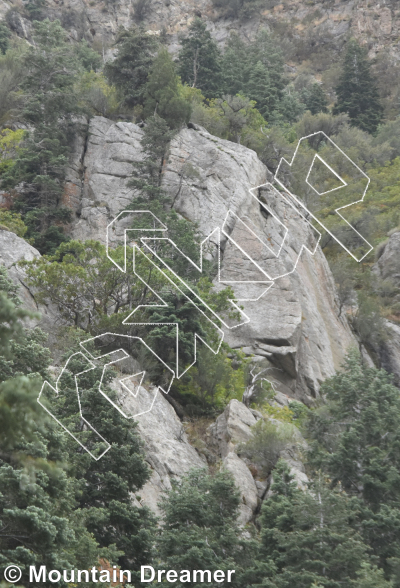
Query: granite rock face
{"points": [[375, 24], [388, 265], [387, 268], [293, 319], [166, 446], [96, 181], [234, 427], [14, 249]]}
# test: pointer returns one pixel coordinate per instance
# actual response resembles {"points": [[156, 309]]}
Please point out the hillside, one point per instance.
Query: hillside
{"points": [[215, 350]]}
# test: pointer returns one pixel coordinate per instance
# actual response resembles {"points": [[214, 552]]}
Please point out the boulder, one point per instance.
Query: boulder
{"points": [[246, 485], [388, 264], [232, 427]]}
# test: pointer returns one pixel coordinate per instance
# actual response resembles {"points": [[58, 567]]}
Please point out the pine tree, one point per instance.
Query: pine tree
{"points": [[254, 70], [129, 70], [162, 95], [364, 414], [199, 60], [259, 88], [235, 66], [315, 99], [265, 49], [39, 521], [200, 529], [308, 535], [357, 93], [5, 35], [50, 105]]}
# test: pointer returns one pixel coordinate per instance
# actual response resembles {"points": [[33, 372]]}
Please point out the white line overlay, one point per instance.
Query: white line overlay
{"points": [[144, 248]]}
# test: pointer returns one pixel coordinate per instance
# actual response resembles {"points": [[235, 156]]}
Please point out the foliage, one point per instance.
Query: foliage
{"points": [[199, 60], [280, 413], [99, 97], [162, 95], [200, 529], [12, 71], [5, 35], [106, 485], [35, 9], [88, 57], [9, 147], [40, 524], [50, 103], [356, 441], [129, 70], [269, 438], [357, 92], [308, 535], [84, 284], [315, 99]]}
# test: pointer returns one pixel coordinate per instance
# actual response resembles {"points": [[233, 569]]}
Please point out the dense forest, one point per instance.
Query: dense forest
{"points": [[59, 507]]}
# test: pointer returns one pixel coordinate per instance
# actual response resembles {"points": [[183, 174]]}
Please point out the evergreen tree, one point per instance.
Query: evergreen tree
{"points": [[5, 35], [50, 103], [254, 70], [39, 520], [265, 49], [308, 535], [259, 88], [357, 93], [200, 530], [235, 66], [106, 486], [128, 72], [315, 99], [199, 60], [89, 58], [162, 95], [363, 454]]}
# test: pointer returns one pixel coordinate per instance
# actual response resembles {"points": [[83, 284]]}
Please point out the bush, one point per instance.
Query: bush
{"points": [[13, 222], [268, 440]]}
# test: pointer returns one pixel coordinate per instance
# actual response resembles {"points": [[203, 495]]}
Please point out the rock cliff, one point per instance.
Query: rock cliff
{"points": [[387, 269], [295, 324], [375, 24]]}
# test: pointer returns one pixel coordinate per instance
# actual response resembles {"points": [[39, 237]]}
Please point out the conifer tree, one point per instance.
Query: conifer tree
{"points": [[308, 535], [199, 60], [254, 70], [200, 529], [39, 522], [162, 95], [363, 455], [50, 104], [129, 70], [235, 66], [106, 486], [5, 35], [357, 93], [315, 99], [259, 88]]}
